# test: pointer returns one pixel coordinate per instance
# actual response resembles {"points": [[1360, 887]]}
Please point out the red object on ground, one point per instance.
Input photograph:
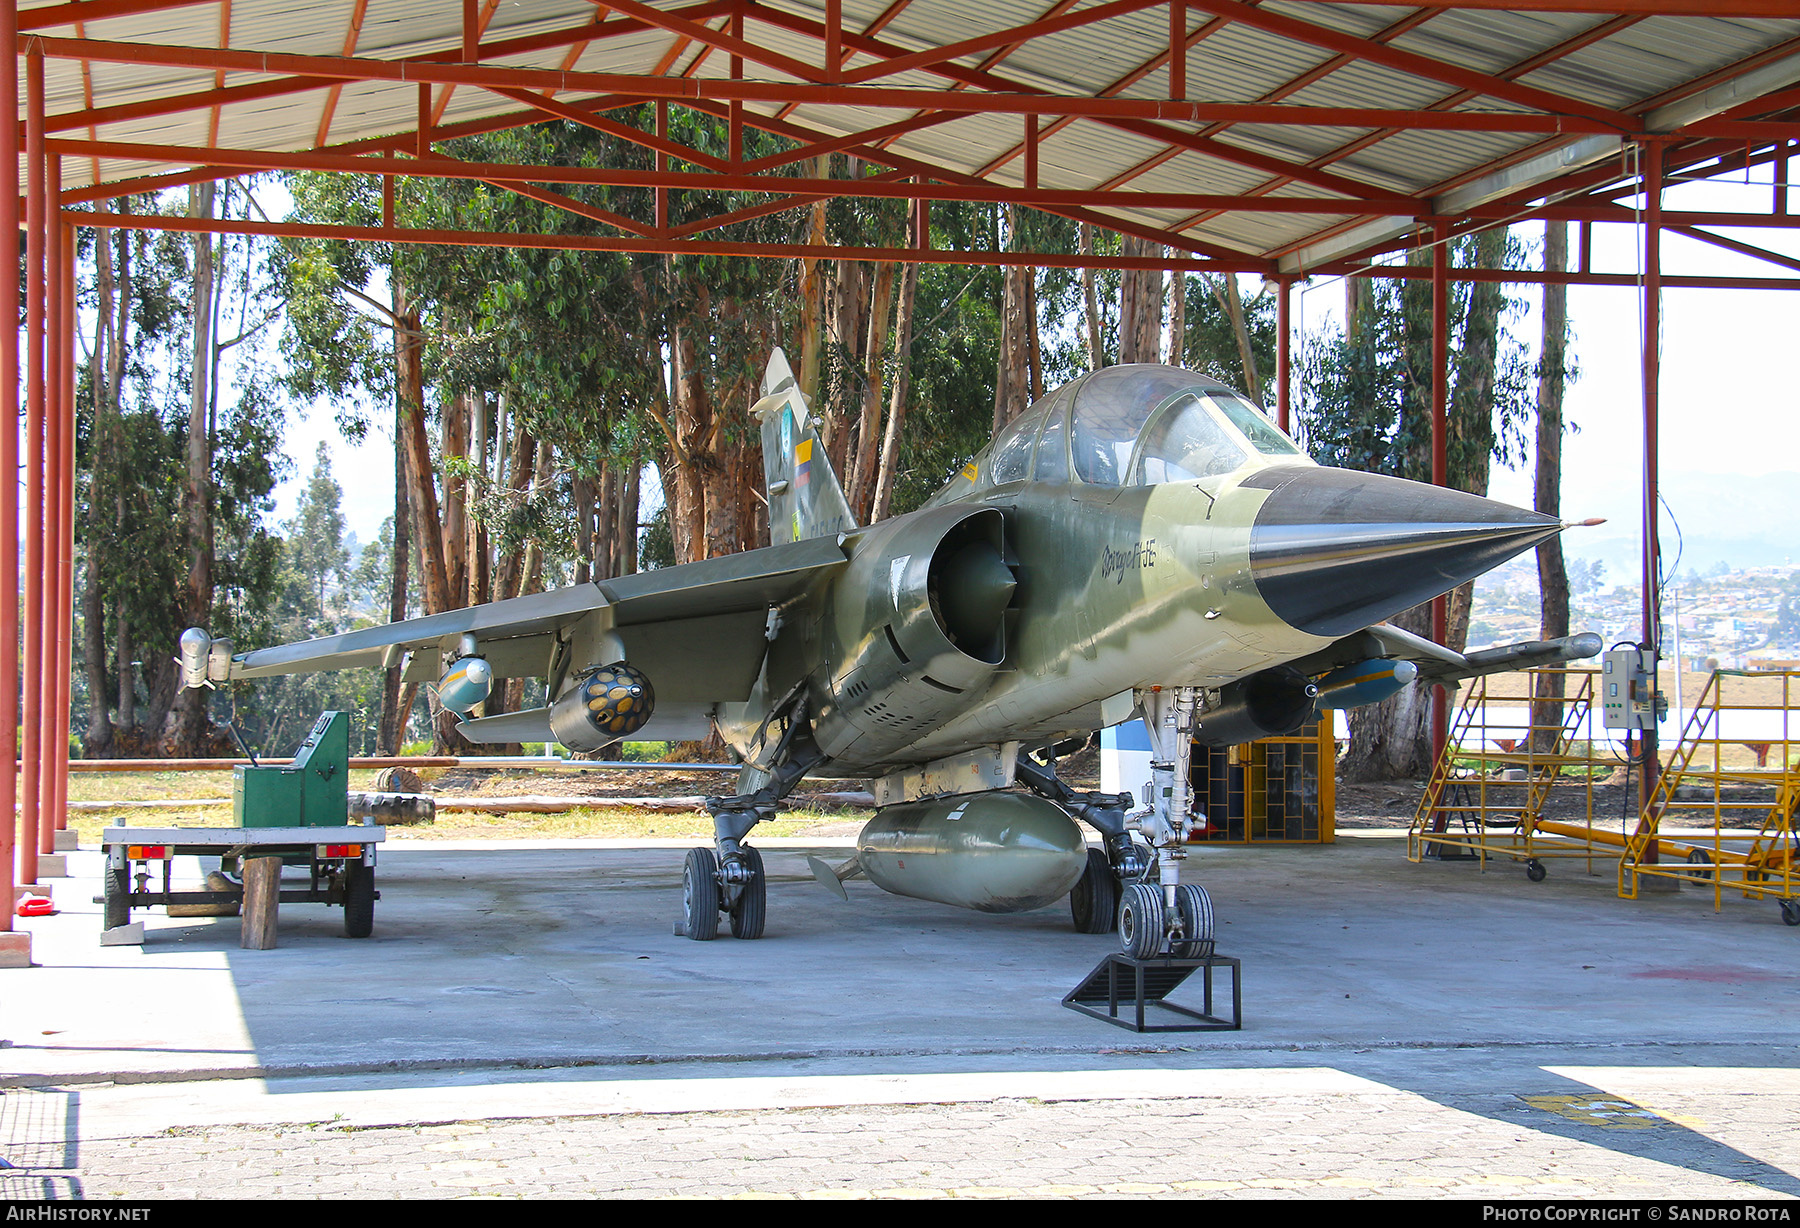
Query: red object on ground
{"points": [[36, 906]]}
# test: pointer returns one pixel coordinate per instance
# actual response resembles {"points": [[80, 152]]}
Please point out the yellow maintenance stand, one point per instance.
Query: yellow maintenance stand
{"points": [[1722, 812], [1505, 753]]}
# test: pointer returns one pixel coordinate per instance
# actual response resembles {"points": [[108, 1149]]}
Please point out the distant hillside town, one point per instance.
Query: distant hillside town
{"points": [[1720, 619]]}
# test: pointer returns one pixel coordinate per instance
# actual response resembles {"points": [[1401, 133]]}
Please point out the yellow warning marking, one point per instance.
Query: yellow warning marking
{"points": [[969, 471], [1602, 1111]]}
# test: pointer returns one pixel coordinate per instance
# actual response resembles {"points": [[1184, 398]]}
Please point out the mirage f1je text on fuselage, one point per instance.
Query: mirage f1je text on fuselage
{"points": [[1140, 542]]}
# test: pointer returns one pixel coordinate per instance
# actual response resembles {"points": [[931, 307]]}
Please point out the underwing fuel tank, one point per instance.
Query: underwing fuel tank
{"points": [[993, 852]]}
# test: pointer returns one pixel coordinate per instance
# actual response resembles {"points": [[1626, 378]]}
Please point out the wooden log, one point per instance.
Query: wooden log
{"points": [[262, 903]]}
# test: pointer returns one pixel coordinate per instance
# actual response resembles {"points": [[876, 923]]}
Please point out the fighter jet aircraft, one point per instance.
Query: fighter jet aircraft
{"points": [[1140, 542]]}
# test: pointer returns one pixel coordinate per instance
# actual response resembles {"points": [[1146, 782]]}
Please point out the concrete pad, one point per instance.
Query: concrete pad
{"points": [[21, 890], [15, 949], [53, 865], [515, 957], [68, 840]]}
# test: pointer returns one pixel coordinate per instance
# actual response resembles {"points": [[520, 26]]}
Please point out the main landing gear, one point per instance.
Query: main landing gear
{"points": [[728, 878], [1134, 885]]}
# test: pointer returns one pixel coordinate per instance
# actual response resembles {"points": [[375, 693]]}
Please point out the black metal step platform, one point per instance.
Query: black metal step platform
{"points": [[1137, 984]]}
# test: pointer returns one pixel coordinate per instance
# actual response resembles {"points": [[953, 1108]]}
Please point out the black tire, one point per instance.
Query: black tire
{"points": [[1141, 921], [1534, 870], [1790, 912], [1702, 859], [1094, 901], [1196, 922], [116, 892], [753, 901], [359, 900], [700, 895]]}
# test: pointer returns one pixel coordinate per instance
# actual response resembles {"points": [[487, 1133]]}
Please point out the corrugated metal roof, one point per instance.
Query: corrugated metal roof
{"points": [[1637, 61]]}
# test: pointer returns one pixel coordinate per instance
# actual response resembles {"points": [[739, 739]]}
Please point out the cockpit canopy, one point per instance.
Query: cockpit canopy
{"points": [[1135, 425]]}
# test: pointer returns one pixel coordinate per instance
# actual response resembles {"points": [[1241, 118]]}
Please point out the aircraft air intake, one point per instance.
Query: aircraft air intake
{"points": [[922, 623], [1333, 551]]}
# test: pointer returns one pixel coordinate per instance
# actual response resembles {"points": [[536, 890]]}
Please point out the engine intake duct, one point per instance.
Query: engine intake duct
{"points": [[1269, 704]]}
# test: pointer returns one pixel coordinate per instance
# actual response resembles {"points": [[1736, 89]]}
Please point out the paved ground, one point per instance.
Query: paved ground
{"points": [[525, 1023]]}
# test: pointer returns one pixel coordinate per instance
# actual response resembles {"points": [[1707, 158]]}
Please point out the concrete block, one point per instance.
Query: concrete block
{"points": [[123, 935], [53, 865], [68, 840], [25, 889], [15, 949]]}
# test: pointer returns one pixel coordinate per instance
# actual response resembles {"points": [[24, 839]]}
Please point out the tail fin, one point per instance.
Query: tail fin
{"points": [[805, 499]]}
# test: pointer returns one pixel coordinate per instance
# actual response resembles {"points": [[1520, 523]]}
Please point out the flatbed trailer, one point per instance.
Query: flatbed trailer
{"points": [[341, 863]]}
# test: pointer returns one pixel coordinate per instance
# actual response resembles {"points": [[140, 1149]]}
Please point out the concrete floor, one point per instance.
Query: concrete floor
{"points": [[509, 981]]}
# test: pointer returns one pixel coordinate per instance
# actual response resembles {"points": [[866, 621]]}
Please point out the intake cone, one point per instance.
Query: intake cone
{"points": [[1333, 551]]}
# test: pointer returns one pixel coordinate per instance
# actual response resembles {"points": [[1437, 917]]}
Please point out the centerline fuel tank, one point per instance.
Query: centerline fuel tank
{"points": [[993, 852]]}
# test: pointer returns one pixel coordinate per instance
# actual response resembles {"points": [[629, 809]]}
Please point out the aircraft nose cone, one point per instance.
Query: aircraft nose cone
{"points": [[1333, 551]]}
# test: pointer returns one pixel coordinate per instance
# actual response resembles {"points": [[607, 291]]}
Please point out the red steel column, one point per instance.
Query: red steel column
{"points": [[65, 548], [1653, 176], [49, 588], [1440, 466], [9, 470], [34, 463], [1284, 355]]}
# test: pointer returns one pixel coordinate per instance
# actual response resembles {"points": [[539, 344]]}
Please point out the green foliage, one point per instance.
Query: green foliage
{"points": [[132, 556], [1366, 396]]}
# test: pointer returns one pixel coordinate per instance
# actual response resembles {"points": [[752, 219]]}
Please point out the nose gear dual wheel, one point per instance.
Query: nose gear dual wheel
{"points": [[1195, 907], [702, 901], [700, 895], [1141, 921], [752, 905]]}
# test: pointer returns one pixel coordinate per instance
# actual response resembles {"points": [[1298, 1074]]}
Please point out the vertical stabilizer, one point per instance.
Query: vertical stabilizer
{"points": [[805, 499]]}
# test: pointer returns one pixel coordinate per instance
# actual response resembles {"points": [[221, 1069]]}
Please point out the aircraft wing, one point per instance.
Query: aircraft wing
{"points": [[697, 629]]}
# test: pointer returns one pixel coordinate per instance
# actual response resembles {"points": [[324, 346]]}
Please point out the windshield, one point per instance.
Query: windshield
{"points": [[1185, 442]]}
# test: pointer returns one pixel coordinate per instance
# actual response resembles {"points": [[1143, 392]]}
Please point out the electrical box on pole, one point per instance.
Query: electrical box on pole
{"points": [[1628, 695]]}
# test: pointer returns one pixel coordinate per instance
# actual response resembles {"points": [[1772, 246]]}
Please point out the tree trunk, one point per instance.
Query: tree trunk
{"points": [[1096, 338], [812, 297], [868, 431], [184, 732], [1177, 318], [1391, 740], [509, 570], [1553, 574], [421, 494], [393, 717], [1034, 343], [625, 526], [1140, 305], [1012, 386], [1240, 331], [459, 490], [890, 443]]}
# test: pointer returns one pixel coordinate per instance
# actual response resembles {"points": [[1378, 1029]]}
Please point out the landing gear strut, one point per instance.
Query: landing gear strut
{"points": [[729, 877]]}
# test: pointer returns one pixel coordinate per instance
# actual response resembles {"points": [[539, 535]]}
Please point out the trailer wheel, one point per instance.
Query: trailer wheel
{"points": [[1790, 912], [359, 900], [1534, 870], [116, 892]]}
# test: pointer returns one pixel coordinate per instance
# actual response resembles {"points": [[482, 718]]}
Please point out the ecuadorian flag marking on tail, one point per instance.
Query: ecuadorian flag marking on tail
{"points": [[802, 462]]}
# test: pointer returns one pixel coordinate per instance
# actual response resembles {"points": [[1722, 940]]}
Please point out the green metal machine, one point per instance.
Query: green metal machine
{"points": [[311, 791]]}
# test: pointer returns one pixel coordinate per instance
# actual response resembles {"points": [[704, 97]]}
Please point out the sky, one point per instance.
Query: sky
{"points": [[1729, 421]]}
